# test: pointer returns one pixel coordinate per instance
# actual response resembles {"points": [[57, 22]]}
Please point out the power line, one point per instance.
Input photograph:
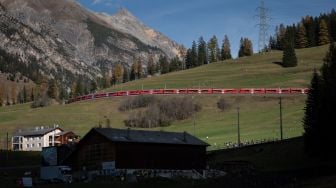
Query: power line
{"points": [[263, 25]]}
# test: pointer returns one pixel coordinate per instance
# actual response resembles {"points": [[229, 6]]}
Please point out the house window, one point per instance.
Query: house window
{"points": [[31, 138], [39, 145], [27, 145], [32, 145]]}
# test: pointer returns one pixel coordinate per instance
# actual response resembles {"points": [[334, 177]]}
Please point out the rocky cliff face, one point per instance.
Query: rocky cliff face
{"points": [[125, 22], [62, 35]]}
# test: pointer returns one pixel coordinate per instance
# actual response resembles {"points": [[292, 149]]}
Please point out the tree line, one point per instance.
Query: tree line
{"points": [[309, 32], [202, 52]]}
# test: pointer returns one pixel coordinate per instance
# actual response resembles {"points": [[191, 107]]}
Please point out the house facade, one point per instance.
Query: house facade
{"points": [[136, 149], [36, 139]]}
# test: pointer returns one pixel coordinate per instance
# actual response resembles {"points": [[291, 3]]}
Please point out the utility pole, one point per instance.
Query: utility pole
{"points": [[194, 125], [194, 118], [280, 103], [238, 124], [7, 146]]}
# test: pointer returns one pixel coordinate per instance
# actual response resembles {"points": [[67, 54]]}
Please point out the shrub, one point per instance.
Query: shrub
{"points": [[162, 113], [140, 101], [148, 118], [222, 104], [41, 102]]}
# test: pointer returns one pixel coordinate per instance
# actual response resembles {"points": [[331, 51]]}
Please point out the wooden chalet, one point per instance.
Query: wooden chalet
{"points": [[138, 149]]}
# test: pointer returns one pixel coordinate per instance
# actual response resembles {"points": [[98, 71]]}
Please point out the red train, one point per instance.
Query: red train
{"points": [[254, 91]]}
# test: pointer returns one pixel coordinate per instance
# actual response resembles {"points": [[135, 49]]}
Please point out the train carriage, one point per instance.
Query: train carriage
{"points": [[231, 91]]}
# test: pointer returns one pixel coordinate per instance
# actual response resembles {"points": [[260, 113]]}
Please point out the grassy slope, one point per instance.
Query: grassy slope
{"points": [[259, 115], [256, 71]]}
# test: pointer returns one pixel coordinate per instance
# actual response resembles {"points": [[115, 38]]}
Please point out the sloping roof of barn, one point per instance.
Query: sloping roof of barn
{"points": [[157, 137]]}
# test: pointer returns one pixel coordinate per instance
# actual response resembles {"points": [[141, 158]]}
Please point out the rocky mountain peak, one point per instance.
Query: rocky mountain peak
{"points": [[123, 12], [64, 36]]}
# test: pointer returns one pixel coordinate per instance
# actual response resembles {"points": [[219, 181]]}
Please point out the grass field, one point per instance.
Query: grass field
{"points": [[259, 70], [259, 115]]}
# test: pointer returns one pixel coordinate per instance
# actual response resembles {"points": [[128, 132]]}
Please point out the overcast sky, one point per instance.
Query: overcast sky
{"points": [[187, 20]]}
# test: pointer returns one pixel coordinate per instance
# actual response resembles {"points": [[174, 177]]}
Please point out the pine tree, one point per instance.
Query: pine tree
{"points": [[73, 93], [332, 25], [302, 41], [63, 94], [126, 76], [139, 68], [151, 67], [134, 71], [52, 91], [213, 49], [323, 33], [93, 86], [2, 92], [320, 119], [118, 73], [226, 49], [246, 47], [13, 95], [289, 57], [79, 90], [175, 64], [280, 34], [194, 55], [32, 95], [241, 48], [272, 43], [310, 120], [24, 92], [164, 64], [310, 29], [188, 59], [202, 52]]}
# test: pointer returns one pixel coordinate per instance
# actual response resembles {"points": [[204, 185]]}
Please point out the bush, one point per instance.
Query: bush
{"points": [[140, 101], [178, 108], [148, 118], [222, 104], [41, 102], [162, 113]]}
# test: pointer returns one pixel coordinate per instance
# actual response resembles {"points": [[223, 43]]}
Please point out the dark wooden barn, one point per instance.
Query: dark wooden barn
{"points": [[137, 149]]}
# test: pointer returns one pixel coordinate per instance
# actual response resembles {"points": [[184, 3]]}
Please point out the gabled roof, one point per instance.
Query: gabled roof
{"points": [[64, 133], [35, 132], [157, 137]]}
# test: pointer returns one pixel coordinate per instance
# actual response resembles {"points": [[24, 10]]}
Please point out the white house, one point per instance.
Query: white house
{"points": [[35, 139]]}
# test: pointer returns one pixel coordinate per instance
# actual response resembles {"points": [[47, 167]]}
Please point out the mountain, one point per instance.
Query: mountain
{"points": [[65, 40], [126, 22]]}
